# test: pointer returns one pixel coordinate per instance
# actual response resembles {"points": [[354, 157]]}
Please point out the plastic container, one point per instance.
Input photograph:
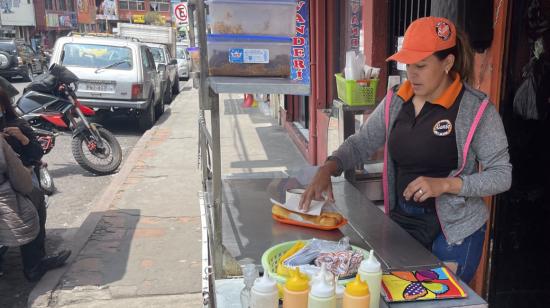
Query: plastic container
{"points": [[295, 290], [272, 255], [272, 17], [322, 293], [356, 92], [264, 293], [248, 55], [371, 272], [357, 294]]}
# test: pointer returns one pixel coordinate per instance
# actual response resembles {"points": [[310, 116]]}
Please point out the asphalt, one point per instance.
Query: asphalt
{"points": [[141, 244]]}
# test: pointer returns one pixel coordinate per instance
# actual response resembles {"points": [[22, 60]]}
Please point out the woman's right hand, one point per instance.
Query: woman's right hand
{"points": [[320, 186]]}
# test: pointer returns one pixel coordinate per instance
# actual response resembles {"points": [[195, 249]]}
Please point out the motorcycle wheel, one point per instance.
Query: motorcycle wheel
{"points": [[46, 180], [108, 161]]}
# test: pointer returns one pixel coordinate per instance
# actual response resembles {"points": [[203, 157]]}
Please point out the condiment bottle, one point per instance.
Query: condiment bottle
{"points": [[295, 291], [339, 290], [371, 272], [321, 295], [322, 274], [357, 294], [264, 293], [250, 274]]}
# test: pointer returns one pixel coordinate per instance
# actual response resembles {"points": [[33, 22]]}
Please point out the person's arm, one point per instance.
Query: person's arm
{"points": [[30, 150], [491, 148], [20, 177]]}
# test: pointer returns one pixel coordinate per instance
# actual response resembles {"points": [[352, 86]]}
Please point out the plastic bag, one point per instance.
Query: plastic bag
{"points": [[525, 100], [314, 248]]}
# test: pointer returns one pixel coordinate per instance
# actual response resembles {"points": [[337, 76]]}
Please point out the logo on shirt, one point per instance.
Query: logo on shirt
{"points": [[443, 128]]}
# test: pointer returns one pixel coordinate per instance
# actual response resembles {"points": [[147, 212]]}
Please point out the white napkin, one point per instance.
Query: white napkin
{"points": [[293, 203]]}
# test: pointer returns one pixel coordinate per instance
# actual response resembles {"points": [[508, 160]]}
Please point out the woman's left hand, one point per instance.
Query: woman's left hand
{"points": [[17, 133], [424, 187]]}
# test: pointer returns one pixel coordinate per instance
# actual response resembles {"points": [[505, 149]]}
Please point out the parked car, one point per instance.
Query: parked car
{"points": [[18, 59], [116, 74], [183, 61], [167, 67]]}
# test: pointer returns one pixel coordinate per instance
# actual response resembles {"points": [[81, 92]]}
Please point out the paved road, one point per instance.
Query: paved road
{"points": [[68, 207]]}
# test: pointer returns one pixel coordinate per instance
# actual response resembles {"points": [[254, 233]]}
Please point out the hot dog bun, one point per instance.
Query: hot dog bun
{"points": [[328, 219]]}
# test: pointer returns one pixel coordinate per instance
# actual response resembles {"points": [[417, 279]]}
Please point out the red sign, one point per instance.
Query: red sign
{"points": [[180, 11]]}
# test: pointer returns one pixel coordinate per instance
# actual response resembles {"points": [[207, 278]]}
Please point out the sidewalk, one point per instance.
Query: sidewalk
{"points": [[141, 245]]}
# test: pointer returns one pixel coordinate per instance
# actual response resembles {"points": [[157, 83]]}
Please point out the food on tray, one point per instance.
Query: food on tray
{"points": [[219, 65], [328, 219]]}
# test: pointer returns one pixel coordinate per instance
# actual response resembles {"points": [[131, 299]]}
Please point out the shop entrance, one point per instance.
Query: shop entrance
{"points": [[519, 261]]}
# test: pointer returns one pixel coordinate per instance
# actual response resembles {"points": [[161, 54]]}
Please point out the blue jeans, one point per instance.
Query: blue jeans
{"points": [[466, 254]]}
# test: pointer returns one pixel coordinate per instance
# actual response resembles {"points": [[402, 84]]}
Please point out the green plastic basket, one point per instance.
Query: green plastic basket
{"points": [[272, 255], [354, 94]]}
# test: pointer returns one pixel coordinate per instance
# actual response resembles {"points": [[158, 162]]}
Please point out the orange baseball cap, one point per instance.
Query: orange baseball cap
{"points": [[423, 37]]}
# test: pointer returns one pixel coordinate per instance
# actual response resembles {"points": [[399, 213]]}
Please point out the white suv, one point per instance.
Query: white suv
{"points": [[116, 74]]}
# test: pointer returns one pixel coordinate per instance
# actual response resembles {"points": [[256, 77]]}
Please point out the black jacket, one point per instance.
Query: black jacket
{"points": [[29, 154]]}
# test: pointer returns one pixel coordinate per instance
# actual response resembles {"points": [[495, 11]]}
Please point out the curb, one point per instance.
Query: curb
{"points": [[41, 294]]}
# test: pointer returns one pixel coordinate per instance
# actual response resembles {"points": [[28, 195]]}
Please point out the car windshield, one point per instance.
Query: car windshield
{"points": [[97, 56], [7, 46], [181, 53], [158, 55]]}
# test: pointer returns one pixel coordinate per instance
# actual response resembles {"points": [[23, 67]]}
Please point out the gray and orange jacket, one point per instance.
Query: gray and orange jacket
{"points": [[480, 139]]}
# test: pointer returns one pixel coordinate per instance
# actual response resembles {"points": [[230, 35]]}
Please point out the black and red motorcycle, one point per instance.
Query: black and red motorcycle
{"points": [[50, 105]]}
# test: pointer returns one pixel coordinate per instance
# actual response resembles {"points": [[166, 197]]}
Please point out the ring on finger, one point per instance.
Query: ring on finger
{"points": [[420, 191]]}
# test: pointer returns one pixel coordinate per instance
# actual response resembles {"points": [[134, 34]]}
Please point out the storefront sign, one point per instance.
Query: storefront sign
{"points": [[138, 19], [107, 9], [17, 13], [355, 30], [52, 20], [299, 55], [86, 11]]}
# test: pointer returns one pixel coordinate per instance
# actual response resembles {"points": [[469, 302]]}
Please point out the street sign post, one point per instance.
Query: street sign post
{"points": [[181, 14]]}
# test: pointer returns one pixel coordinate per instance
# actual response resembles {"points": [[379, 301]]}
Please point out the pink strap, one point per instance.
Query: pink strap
{"points": [[385, 168], [471, 134]]}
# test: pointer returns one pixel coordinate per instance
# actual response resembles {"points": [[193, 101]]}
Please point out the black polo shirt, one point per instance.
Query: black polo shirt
{"points": [[425, 145]]}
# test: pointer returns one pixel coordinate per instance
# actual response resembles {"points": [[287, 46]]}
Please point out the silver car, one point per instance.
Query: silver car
{"points": [[167, 67], [183, 61], [115, 74]]}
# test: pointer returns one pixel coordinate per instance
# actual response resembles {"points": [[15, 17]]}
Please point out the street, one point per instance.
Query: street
{"points": [[69, 206]]}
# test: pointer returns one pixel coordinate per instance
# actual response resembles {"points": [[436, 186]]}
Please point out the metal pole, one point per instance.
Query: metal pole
{"points": [[217, 184], [203, 87], [191, 9]]}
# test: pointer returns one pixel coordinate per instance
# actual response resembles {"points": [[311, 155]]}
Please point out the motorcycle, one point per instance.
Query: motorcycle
{"points": [[47, 141], [50, 104]]}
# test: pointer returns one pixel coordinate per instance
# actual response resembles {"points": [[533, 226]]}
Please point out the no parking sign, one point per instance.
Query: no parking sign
{"points": [[181, 14]]}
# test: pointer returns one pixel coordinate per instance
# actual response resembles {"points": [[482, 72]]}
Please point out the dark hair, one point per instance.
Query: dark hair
{"points": [[464, 57], [9, 111]]}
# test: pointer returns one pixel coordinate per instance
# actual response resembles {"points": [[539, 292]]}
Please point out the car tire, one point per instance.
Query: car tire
{"points": [[28, 76], [167, 97], [146, 119], [176, 86], [159, 109]]}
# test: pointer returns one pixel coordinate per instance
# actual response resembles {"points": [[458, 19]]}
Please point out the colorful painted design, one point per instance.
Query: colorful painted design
{"points": [[431, 284]]}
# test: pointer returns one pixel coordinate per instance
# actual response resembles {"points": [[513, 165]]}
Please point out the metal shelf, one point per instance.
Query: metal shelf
{"points": [[257, 85]]}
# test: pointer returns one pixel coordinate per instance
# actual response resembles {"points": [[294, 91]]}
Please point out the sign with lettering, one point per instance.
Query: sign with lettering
{"points": [[299, 54]]}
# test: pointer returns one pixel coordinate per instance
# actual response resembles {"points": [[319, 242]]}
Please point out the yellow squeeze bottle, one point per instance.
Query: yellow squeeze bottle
{"points": [[357, 294], [295, 291]]}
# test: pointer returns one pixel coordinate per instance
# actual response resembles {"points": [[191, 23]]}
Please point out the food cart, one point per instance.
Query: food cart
{"points": [[236, 211]]}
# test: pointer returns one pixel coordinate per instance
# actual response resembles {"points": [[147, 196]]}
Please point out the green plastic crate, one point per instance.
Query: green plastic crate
{"points": [[354, 94], [272, 255]]}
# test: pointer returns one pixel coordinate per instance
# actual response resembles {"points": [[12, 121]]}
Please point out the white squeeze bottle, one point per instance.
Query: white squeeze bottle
{"points": [[321, 295], [370, 272], [339, 290], [264, 293]]}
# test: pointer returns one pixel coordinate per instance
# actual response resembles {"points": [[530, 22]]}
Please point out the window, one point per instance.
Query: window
{"points": [[145, 54], [70, 5], [96, 56], [158, 55], [135, 5], [62, 5], [49, 4], [160, 5]]}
